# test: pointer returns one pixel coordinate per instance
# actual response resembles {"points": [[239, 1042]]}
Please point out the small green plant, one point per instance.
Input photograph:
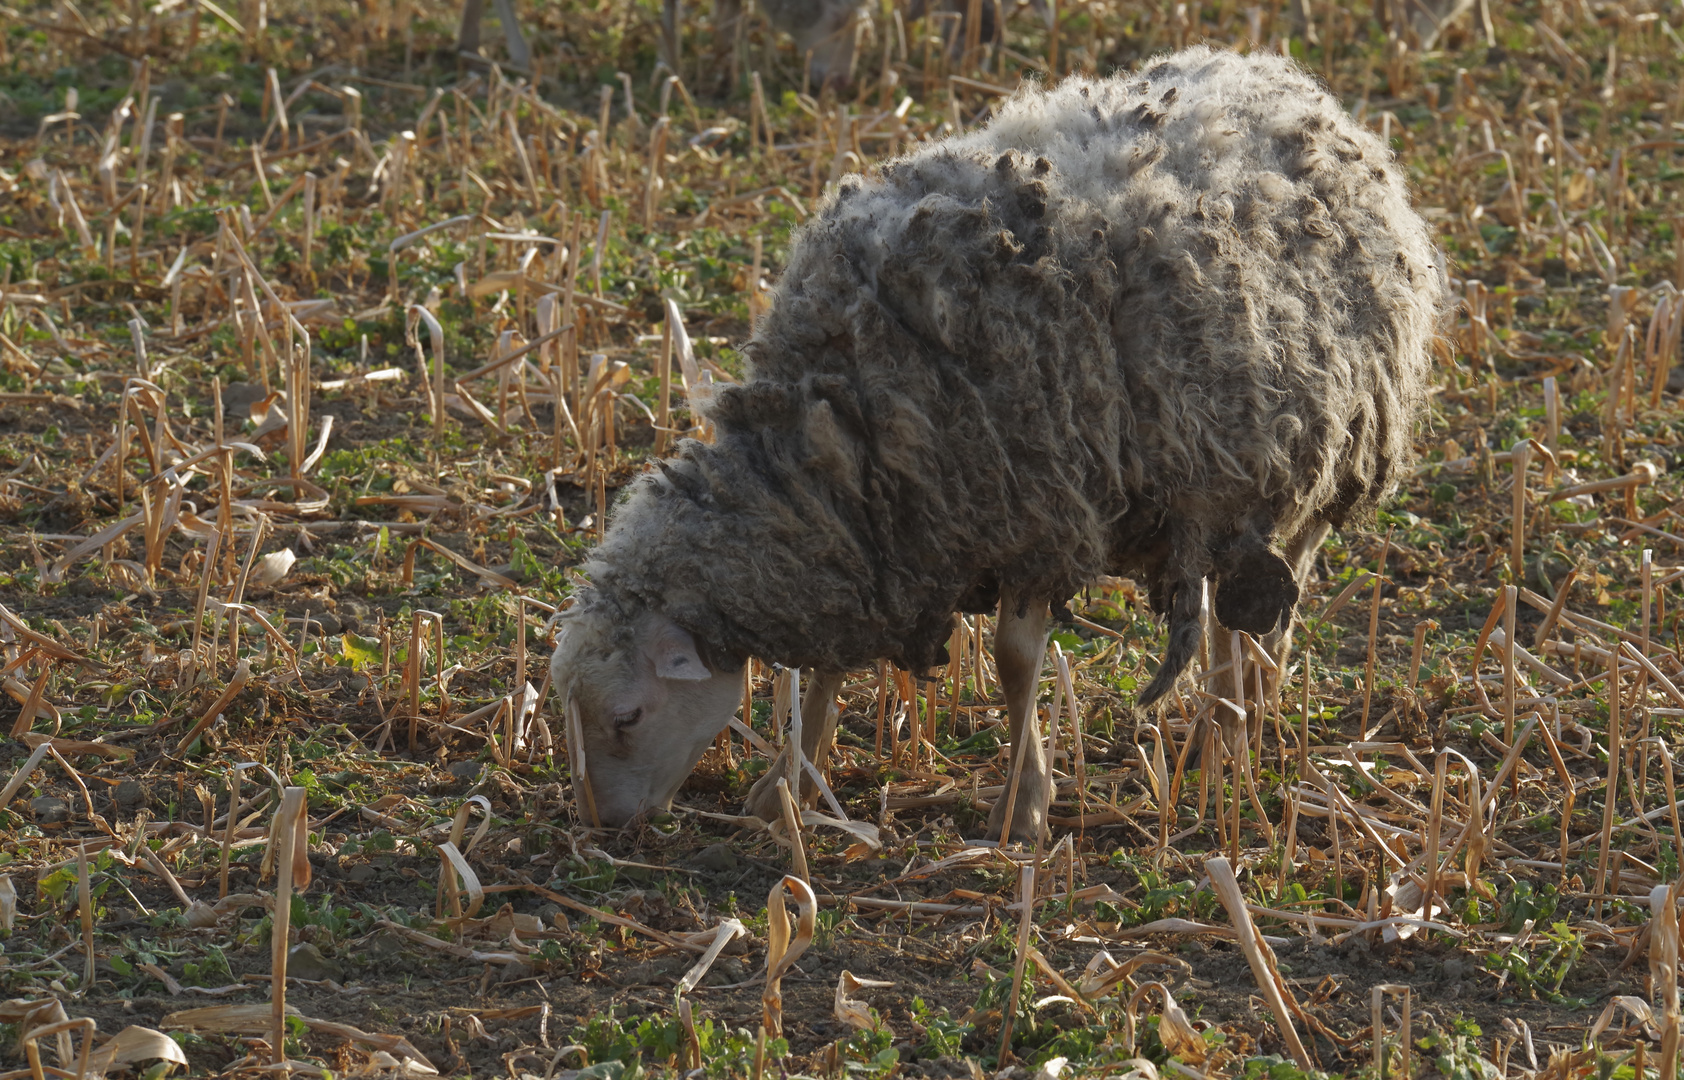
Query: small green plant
{"points": [[1275, 1067], [1165, 899], [1540, 972], [871, 1053], [211, 970], [943, 1035], [1523, 903], [1456, 1052], [335, 920], [297, 1031], [824, 932], [630, 1042]]}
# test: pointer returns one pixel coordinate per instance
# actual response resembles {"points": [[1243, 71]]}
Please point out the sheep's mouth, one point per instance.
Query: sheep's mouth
{"points": [[631, 822]]}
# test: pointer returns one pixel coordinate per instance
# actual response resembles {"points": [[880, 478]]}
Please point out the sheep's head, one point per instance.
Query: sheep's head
{"points": [[648, 705]]}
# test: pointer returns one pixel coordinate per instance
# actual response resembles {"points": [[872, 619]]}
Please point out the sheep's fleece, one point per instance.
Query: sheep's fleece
{"points": [[1153, 325]]}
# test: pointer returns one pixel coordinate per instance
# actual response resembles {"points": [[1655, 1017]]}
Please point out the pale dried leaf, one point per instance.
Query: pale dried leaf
{"points": [[863, 830], [135, 1044], [76, 747], [1103, 973], [726, 932], [856, 1014], [274, 566], [1636, 1006], [251, 1019], [1175, 1030], [470, 883]]}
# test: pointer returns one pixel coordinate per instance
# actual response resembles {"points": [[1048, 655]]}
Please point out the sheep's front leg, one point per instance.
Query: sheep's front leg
{"points": [[1020, 647], [819, 714]]}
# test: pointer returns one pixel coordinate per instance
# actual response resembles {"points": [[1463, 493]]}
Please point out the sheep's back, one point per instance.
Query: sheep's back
{"points": [[1127, 322], [1272, 295], [1304, 291]]}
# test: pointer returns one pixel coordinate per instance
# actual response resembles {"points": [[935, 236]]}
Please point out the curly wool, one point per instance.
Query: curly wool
{"points": [[1156, 324]]}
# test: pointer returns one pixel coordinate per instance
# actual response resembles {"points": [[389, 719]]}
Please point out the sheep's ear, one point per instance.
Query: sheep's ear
{"points": [[676, 656]]}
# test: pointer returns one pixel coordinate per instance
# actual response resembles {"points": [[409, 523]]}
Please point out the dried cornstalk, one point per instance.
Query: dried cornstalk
{"points": [[1025, 924], [1611, 791], [242, 673], [85, 908], [1377, 1001], [1257, 953], [782, 948], [228, 830], [292, 865], [663, 415], [1663, 970], [577, 767], [436, 387], [792, 823]]}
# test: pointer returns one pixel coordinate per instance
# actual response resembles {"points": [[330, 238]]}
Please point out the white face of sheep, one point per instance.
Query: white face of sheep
{"points": [[648, 709]]}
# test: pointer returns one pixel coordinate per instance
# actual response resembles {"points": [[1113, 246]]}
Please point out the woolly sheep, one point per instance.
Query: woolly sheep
{"points": [[1170, 325], [824, 28]]}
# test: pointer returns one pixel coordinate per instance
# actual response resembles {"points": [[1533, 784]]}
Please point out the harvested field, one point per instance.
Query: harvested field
{"points": [[325, 348]]}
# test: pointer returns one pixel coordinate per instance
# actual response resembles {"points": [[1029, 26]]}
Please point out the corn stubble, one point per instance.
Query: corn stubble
{"points": [[1478, 709]]}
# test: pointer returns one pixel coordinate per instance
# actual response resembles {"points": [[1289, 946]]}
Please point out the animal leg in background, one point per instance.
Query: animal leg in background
{"points": [[1301, 555], [819, 714], [1020, 648]]}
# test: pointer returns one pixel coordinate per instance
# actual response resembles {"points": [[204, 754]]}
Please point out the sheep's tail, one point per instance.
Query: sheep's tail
{"points": [[1184, 632]]}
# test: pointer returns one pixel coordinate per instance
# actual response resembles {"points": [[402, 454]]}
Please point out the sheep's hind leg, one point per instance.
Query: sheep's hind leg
{"points": [[1020, 648], [819, 714]]}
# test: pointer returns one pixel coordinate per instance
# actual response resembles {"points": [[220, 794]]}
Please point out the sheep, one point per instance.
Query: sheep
{"points": [[822, 29], [1171, 325], [826, 28]]}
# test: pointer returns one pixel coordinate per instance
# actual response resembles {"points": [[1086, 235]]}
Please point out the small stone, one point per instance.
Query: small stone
{"points": [[357, 615], [129, 795], [385, 944], [465, 771], [726, 971], [239, 397], [326, 623], [305, 961], [360, 874], [644, 974], [718, 858], [50, 810]]}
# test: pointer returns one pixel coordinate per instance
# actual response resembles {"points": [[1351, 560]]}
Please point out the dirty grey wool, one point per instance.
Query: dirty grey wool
{"points": [[1154, 325]]}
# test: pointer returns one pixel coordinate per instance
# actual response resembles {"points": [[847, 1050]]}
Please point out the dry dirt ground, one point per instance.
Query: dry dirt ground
{"points": [[158, 220]]}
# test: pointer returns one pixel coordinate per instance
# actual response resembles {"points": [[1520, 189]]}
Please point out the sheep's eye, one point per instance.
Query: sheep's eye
{"points": [[624, 720]]}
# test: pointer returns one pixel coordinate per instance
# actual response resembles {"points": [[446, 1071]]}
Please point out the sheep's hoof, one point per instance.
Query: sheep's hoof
{"points": [[1029, 815]]}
